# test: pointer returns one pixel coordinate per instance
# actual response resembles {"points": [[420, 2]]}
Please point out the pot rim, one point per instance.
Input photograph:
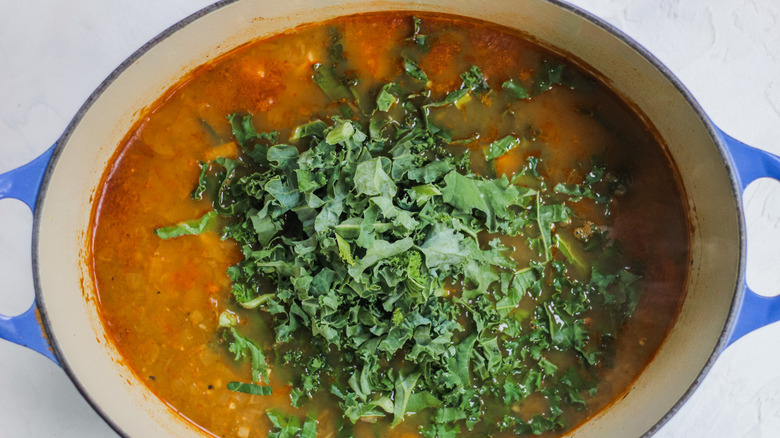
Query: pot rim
{"points": [[586, 15]]}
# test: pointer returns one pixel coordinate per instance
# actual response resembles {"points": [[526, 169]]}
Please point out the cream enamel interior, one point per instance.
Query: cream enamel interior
{"points": [[67, 295]]}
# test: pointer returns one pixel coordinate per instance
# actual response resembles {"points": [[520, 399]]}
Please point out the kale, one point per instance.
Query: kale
{"points": [[249, 388], [551, 73], [516, 88], [195, 226], [599, 185], [366, 243], [413, 70], [244, 348], [325, 76], [197, 193], [500, 147], [417, 37], [289, 426]]}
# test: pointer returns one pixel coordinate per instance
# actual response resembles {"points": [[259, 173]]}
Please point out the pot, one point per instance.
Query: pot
{"points": [[715, 170]]}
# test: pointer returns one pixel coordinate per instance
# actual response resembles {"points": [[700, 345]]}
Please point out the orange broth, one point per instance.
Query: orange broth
{"points": [[160, 299]]}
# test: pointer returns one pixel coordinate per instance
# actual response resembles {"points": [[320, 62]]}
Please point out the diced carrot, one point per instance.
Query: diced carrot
{"points": [[227, 150]]}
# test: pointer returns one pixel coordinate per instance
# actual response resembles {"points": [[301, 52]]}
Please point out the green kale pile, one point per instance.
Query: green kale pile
{"points": [[375, 250]]}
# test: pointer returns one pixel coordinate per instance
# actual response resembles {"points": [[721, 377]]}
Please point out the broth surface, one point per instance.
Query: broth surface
{"points": [[161, 299]]}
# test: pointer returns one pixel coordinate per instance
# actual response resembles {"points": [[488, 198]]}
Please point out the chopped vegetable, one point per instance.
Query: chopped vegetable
{"points": [[413, 70], [289, 426], [249, 388], [516, 88], [195, 226], [500, 147]]}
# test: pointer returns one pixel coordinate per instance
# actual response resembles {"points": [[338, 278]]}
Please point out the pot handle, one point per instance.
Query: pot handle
{"points": [[750, 163], [24, 183]]}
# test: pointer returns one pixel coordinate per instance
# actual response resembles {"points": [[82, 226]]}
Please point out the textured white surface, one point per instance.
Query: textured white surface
{"points": [[54, 53]]}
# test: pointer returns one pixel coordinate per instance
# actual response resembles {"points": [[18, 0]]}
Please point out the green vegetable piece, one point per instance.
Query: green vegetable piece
{"points": [[523, 280], [309, 429], [340, 133], [576, 191], [546, 216], [403, 391], [244, 348], [249, 388], [202, 181], [243, 128], [283, 190], [473, 79], [349, 229], [440, 431], [227, 178], [517, 90], [256, 301], [289, 426], [398, 316], [414, 71], [500, 147], [211, 132], [345, 250], [548, 74], [264, 226], [336, 49], [283, 156], [372, 178], [191, 227], [494, 198], [330, 83], [444, 247], [314, 128], [244, 131], [417, 37], [573, 251], [227, 319], [548, 367], [452, 97], [627, 282], [380, 250], [423, 193], [386, 97]]}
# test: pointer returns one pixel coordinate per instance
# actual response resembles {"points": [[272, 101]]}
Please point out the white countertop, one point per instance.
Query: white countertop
{"points": [[54, 53]]}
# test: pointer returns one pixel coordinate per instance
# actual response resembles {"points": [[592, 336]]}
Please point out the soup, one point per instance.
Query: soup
{"points": [[389, 225]]}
